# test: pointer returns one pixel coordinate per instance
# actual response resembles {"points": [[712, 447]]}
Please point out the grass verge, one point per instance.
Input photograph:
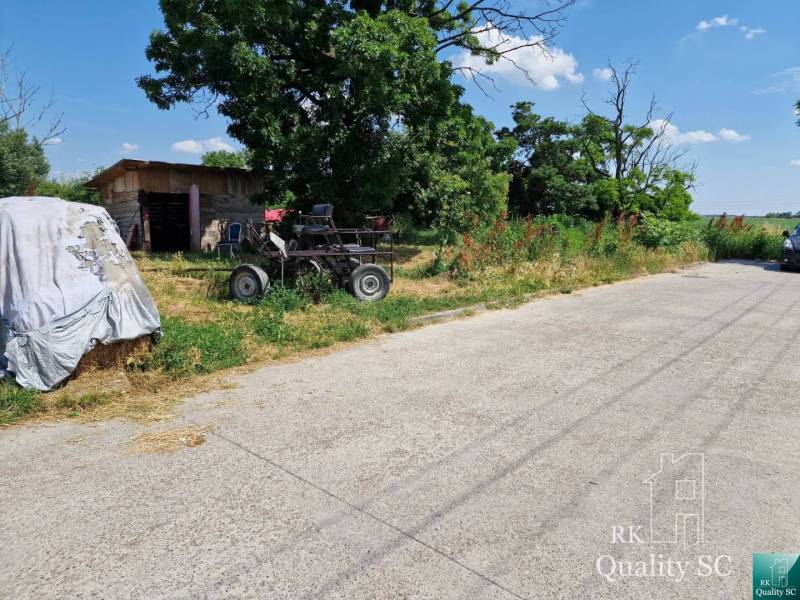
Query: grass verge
{"points": [[207, 337]]}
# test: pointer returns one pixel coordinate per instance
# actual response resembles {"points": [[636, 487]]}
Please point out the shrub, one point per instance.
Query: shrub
{"points": [[505, 242], [653, 232], [733, 238]]}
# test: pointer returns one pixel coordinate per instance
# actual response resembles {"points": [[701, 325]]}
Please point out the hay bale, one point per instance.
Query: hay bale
{"points": [[114, 356]]}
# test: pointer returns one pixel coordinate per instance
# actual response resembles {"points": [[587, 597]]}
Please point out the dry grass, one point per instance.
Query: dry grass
{"points": [[424, 288], [168, 441]]}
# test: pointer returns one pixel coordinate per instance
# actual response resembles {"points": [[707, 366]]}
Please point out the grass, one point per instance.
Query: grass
{"points": [[16, 403], [207, 336]]}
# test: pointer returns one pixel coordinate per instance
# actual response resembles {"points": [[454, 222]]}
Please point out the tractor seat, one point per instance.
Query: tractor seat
{"points": [[356, 249]]}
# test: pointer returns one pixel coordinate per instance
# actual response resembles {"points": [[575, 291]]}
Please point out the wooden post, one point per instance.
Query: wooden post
{"points": [[194, 217], [145, 208]]}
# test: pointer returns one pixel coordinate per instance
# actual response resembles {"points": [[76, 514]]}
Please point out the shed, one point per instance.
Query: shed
{"points": [[151, 201]]}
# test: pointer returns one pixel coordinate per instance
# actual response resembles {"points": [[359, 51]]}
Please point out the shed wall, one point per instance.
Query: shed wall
{"points": [[224, 198]]}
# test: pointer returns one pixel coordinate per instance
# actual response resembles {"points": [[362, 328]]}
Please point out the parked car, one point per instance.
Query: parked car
{"points": [[791, 250]]}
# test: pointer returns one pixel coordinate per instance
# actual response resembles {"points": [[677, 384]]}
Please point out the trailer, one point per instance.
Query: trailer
{"points": [[348, 256]]}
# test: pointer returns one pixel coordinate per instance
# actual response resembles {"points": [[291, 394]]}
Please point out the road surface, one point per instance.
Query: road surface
{"points": [[515, 454]]}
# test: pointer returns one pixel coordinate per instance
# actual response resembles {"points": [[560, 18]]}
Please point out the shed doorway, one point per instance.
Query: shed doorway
{"points": [[168, 216]]}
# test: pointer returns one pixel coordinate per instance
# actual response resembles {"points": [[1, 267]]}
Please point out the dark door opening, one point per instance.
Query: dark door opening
{"points": [[170, 230]]}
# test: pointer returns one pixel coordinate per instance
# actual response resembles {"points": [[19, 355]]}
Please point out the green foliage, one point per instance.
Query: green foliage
{"points": [[196, 348], [735, 238], [22, 162], [321, 94], [222, 158], [313, 287], [569, 168], [281, 299], [16, 402], [458, 175], [549, 174], [339, 102], [71, 188], [655, 232]]}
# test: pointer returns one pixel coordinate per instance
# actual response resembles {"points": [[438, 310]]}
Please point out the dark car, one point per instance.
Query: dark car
{"points": [[791, 250]]}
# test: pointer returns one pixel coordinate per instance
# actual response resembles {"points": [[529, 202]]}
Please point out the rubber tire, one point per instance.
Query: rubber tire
{"points": [[369, 282], [248, 283]]}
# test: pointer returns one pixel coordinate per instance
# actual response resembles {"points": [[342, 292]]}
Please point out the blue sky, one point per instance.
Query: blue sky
{"points": [[729, 71]]}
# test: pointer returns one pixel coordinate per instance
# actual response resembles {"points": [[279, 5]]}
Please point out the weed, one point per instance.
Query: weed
{"points": [[735, 238], [194, 348], [281, 299], [16, 402]]}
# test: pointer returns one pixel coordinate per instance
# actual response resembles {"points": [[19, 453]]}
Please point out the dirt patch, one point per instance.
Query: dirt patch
{"points": [[168, 441]]}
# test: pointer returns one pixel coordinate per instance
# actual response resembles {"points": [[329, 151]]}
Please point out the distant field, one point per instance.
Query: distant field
{"points": [[771, 223]]}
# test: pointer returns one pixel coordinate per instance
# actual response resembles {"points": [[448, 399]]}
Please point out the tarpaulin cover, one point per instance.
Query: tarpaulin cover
{"points": [[67, 282]]}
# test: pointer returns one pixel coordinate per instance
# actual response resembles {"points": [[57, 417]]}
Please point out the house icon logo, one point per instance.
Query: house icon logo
{"points": [[779, 572], [677, 495]]}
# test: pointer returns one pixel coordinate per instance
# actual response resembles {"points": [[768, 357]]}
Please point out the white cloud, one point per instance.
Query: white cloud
{"points": [[699, 136], [545, 66], [676, 136], [795, 162], [733, 136], [128, 148], [603, 74], [751, 33], [723, 21], [53, 141], [201, 146]]}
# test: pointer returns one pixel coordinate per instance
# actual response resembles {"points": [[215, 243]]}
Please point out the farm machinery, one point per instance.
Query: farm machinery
{"points": [[317, 248]]}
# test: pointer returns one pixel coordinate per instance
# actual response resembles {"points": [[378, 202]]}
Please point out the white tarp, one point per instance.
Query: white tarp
{"points": [[67, 282]]}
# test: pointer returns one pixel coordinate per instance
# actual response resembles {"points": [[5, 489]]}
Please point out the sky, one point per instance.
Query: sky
{"points": [[727, 71]]}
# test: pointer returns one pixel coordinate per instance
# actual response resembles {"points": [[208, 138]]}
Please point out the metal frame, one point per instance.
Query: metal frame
{"points": [[325, 245]]}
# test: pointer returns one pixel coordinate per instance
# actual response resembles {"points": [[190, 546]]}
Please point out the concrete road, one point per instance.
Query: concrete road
{"points": [[500, 456]]}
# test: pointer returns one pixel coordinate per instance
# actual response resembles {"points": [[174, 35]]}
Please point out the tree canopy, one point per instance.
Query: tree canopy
{"points": [[602, 164], [23, 164], [332, 97], [225, 158]]}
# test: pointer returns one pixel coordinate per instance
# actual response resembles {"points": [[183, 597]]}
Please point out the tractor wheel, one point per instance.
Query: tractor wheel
{"points": [[248, 283], [369, 282]]}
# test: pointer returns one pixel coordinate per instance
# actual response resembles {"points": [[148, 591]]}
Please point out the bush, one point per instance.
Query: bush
{"points": [[506, 242], [733, 238], [653, 232]]}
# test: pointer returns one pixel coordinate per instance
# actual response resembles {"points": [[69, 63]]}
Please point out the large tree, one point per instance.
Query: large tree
{"points": [[331, 96], [548, 174], [603, 164], [22, 162], [639, 164]]}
